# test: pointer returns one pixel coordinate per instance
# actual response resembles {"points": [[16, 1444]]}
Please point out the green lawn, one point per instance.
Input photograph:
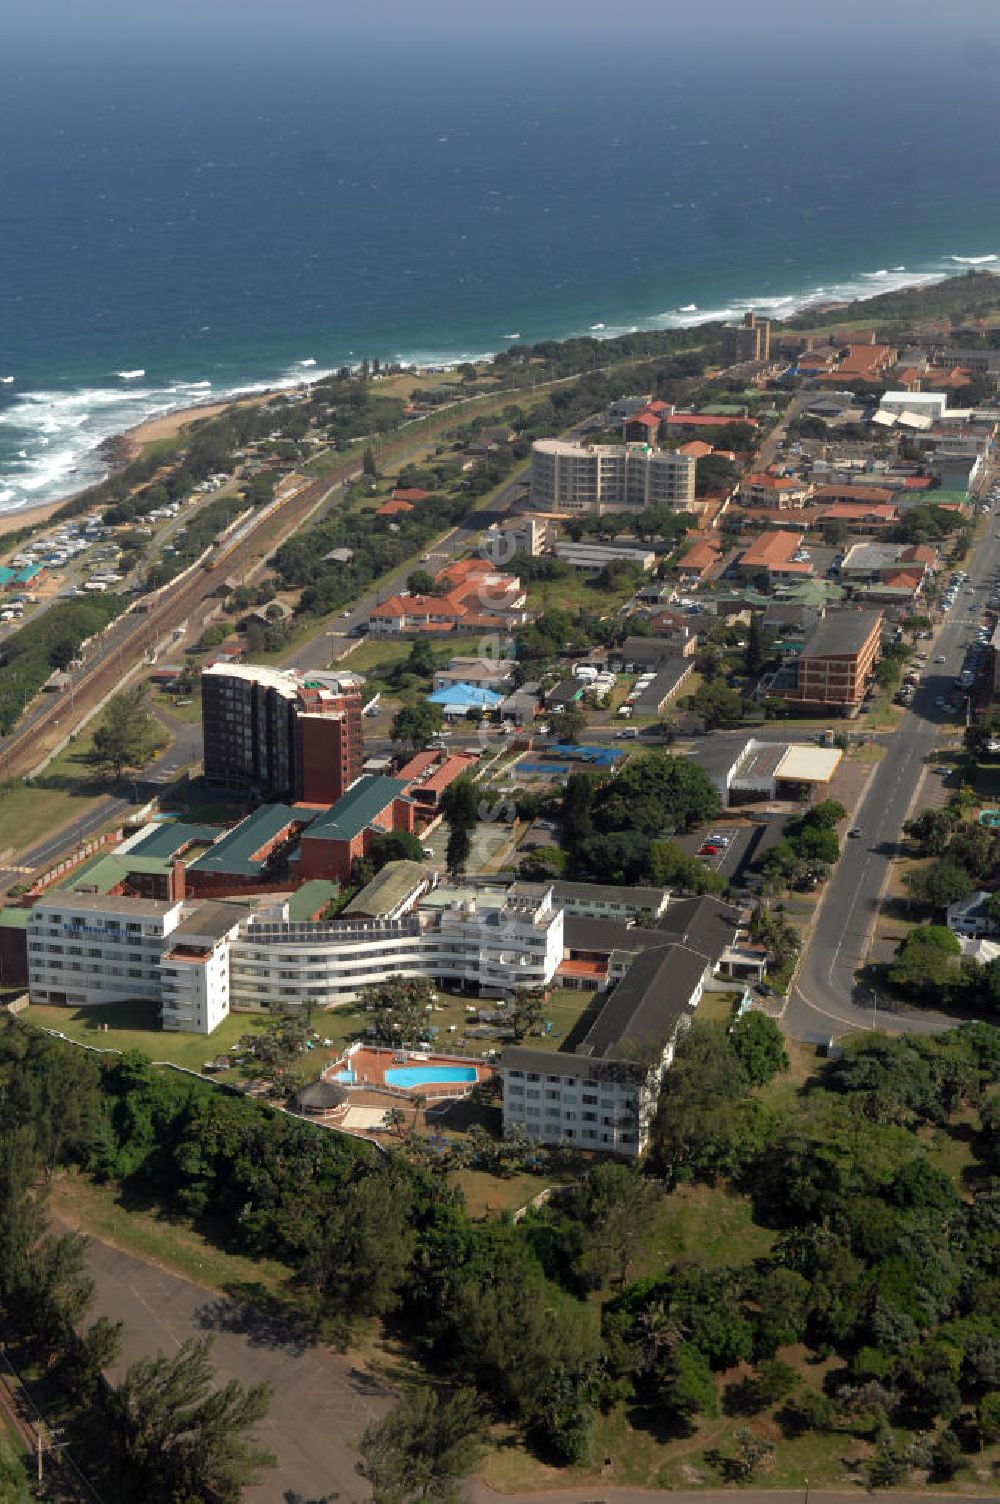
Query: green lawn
{"points": [[577, 592], [190, 714], [67, 789], [105, 1212], [135, 1026], [705, 1225]]}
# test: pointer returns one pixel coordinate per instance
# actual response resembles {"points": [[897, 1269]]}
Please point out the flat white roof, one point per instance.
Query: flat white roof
{"points": [[917, 399], [273, 678], [805, 764]]}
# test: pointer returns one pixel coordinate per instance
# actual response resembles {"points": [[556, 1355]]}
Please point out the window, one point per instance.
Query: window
{"points": [[589, 1100], [552, 1096], [589, 1117]]}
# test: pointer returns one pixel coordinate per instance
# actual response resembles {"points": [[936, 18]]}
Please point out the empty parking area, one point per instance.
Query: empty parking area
{"points": [[321, 1402]]}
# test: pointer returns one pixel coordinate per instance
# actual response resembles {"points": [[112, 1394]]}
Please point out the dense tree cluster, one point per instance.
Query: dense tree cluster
{"points": [[808, 849], [164, 1432], [878, 1260], [50, 641], [618, 829]]}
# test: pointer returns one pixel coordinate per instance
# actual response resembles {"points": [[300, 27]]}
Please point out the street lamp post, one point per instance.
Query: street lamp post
{"points": [[806, 1500], [874, 1008]]}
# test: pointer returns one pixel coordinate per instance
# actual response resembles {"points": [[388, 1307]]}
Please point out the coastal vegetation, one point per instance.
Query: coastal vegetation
{"points": [[51, 641], [860, 1312]]}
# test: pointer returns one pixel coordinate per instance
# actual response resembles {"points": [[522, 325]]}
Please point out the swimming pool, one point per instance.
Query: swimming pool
{"points": [[346, 1078], [428, 1075]]}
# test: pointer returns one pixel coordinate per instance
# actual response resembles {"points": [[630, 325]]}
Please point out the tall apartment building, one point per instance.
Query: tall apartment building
{"points": [[599, 478], [749, 340], [271, 731]]}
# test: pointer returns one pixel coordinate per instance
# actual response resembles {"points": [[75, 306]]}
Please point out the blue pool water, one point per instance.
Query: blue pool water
{"points": [[425, 1075], [345, 1078]]}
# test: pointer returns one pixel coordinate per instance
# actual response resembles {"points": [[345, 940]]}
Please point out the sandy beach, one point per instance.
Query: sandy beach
{"points": [[134, 440], [129, 445]]}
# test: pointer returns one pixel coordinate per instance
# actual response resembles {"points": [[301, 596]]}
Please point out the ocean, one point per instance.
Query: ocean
{"points": [[178, 229]]}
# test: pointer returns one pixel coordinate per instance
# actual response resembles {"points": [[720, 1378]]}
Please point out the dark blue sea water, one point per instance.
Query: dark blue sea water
{"points": [[182, 227]]}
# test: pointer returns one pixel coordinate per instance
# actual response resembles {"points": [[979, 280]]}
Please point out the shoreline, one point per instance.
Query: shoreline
{"points": [[121, 448], [117, 451]]}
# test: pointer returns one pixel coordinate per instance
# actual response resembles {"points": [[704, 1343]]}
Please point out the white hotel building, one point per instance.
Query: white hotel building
{"points": [[599, 478], [87, 948], [495, 941], [602, 1095], [200, 961]]}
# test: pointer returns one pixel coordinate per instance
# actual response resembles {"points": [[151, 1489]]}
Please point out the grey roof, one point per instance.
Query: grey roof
{"points": [[647, 1003], [103, 903], [705, 924], [548, 1062], [667, 680], [210, 921], [645, 649], [789, 613], [841, 632], [581, 932], [635, 897]]}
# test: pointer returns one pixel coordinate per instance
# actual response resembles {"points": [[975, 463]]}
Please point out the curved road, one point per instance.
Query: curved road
{"points": [[827, 997]]}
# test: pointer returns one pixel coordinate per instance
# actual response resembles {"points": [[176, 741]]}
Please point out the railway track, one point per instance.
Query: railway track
{"points": [[131, 635]]}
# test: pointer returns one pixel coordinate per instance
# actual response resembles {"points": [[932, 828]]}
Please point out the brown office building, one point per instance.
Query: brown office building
{"points": [[269, 732], [836, 664], [750, 340]]}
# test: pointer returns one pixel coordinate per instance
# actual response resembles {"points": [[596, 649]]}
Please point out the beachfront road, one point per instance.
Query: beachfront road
{"points": [[828, 999]]}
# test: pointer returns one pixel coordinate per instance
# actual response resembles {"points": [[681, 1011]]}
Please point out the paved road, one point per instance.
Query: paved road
{"points": [[321, 1401], [827, 998], [600, 1493]]}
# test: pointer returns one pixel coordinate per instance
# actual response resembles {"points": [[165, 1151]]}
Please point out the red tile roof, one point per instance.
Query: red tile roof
{"points": [[410, 493], [393, 508], [775, 550]]}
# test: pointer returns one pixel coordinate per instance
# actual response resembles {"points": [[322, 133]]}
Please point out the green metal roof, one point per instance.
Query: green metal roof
{"points": [[172, 836], [311, 898], [357, 809], [101, 872], [13, 918], [233, 852]]}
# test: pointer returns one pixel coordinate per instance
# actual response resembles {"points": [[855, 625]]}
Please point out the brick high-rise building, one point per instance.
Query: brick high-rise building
{"points": [[268, 731], [750, 340]]}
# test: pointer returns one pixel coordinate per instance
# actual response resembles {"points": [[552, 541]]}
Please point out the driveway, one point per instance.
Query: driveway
{"points": [[321, 1401]]}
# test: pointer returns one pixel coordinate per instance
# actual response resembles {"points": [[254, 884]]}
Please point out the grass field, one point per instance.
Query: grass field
{"points": [[67, 789], [135, 1026], [105, 1212]]}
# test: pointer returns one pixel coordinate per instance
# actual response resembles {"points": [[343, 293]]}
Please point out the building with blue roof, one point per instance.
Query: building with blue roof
{"points": [[459, 698]]}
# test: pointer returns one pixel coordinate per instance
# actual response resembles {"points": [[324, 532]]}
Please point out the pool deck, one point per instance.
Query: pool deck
{"points": [[370, 1063]]}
